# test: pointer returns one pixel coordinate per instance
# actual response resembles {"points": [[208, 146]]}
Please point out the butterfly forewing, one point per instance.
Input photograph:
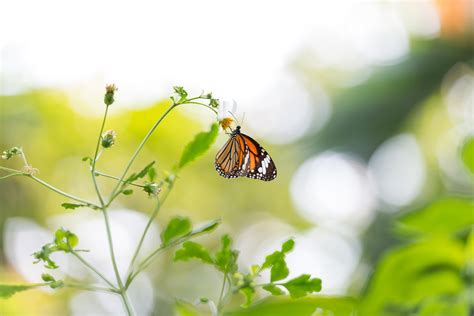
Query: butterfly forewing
{"points": [[260, 165], [231, 158]]}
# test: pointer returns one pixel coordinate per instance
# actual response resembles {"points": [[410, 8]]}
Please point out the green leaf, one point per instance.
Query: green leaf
{"points": [[302, 285], [248, 293], [43, 255], [467, 154], [141, 174], [444, 216], [192, 250], [89, 159], [273, 289], [152, 174], [207, 228], [284, 306], [47, 277], [198, 146], [72, 206], [127, 192], [8, 290], [177, 227], [288, 246], [183, 94], [226, 257], [65, 240]]}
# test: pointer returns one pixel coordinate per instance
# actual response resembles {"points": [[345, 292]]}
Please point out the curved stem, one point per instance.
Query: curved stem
{"points": [[137, 151], [72, 197], [116, 178], [91, 267], [221, 295], [12, 175]]}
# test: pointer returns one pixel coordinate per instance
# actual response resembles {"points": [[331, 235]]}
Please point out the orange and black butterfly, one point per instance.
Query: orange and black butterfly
{"points": [[242, 156]]}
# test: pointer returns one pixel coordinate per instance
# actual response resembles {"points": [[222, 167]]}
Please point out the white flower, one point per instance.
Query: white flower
{"points": [[226, 110]]}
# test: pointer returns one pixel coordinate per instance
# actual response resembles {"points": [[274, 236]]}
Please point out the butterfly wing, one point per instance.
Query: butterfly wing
{"points": [[231, 159], [259, 164]]}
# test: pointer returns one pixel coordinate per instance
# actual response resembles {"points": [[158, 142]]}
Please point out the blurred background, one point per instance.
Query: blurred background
{"points": [[364, 107]]}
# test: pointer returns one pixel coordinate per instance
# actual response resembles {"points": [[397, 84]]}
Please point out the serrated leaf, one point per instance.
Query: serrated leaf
{"points": [[192, 250], [226, 257], [248, 293], [302, 285], [141, 174], [8, 290], [72, 206], [177, 227], [273, 289], [198, 146]]}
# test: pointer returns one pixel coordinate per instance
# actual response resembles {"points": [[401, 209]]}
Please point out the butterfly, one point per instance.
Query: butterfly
{"points": [[242, 156]]}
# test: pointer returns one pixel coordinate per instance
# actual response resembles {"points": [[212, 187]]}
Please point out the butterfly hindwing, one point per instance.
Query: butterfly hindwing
{"points": [[260, 165]]}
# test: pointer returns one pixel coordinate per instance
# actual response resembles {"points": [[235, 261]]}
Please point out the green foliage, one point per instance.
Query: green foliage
{"points": [[52, 282], [302, 285], [72, 206], [226, 257], [182, 94], [64, 241], [310, 305], [444, 216], [12, 152], [193, 250], [276, 261], [467, 154], [8, 290], [198, 146], [127, 192], [176, 228], [141, 174]]}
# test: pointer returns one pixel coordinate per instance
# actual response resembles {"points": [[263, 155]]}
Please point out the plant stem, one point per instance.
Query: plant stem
{"points": [[219, 303], [91, 288], [72, 197], [137, 151], [12, 175], [9, 169], [91, 267], [117, 178], [94, 161], [145, 231]]}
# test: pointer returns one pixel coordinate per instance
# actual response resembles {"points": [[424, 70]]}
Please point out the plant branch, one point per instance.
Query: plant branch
{"points": [[94, 161], [117, 178], [93, 288], [92, 268]]}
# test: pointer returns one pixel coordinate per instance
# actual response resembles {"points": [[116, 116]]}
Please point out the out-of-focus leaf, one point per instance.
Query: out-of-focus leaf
{"points": [[226, 257], [445, 216], [273, 289], [198, 146], [410, 274], [127, 192], [7, 290], [177, 227], [186, 309], [248, 293], [284, 306], [302, 285], [467, 154], [72, 206], [192, 250], [279, 269], [443, 306], [141, 174]]}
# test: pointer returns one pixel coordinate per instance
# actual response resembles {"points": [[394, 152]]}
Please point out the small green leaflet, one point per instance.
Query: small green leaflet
{"points": [[198, 146], [272, 288], [127, 192], [141, 174], [302, 285], [72, 206], [276, 261], [8, 290], [248, 293], [226, 257], [192, 250], [177, 227]]}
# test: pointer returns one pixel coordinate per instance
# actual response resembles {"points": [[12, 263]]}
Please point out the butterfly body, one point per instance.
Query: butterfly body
{"points": [[242, 156]]}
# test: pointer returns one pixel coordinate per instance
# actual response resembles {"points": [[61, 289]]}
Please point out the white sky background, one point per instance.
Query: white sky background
{"points": [[241, 50]]}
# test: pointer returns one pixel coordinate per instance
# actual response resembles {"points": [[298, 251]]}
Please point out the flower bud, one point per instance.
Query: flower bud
{"points": [[108, 139], [109, 94]]}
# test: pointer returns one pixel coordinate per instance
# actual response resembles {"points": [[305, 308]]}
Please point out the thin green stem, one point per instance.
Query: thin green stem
{"points": [[117, 178], [9, 169], [221, 295], [94, 161], [91, 267], [93, 288], [137, 151], [12, 175], [202, 104], [147, 227], [72, 197]]}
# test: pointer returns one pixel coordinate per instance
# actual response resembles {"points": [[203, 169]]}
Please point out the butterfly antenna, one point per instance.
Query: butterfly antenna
{"points": [[243, 118], [237, 120]]}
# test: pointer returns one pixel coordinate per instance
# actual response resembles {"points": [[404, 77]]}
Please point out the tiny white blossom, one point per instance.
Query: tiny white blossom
{"points": [[227, 108]]}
